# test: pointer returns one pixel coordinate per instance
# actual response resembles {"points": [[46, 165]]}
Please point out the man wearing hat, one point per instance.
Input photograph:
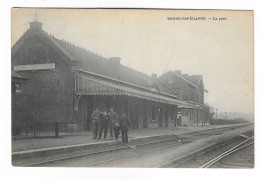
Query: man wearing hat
{"points": [[95, 117], [112, 119]]}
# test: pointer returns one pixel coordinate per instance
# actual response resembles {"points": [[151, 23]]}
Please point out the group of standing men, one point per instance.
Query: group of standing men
{"points": [[102, 121]]}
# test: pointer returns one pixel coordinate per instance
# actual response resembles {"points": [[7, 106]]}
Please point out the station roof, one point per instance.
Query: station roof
{"points": [[96, 63], [133, 82], [123, 88]]}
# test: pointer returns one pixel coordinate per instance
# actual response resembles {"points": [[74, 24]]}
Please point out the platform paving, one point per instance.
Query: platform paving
{"points": [[74, 139]]}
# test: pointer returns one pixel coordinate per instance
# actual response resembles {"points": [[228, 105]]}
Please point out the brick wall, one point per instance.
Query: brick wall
{"points": [[186, 91], [177, 84], [48, 94]]}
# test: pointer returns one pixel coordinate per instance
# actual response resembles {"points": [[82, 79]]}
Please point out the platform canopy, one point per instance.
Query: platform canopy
{"points": [[89, 83]]}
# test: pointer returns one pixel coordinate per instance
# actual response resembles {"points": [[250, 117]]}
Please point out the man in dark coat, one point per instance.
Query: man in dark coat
{"points": [[124, 124], [103, 124], [112, 118], [95, 117]]}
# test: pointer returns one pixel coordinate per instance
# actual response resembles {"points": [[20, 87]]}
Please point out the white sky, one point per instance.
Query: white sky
{"points": [[221, 51]]}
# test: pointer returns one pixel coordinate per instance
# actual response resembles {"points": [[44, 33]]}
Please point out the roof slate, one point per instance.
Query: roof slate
{"points": [[103, 66]]}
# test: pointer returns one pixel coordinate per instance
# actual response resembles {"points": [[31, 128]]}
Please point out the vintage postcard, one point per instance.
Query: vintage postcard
{"points": [[132, 88]]}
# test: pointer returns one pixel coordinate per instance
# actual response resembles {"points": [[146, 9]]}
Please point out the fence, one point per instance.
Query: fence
{"points": [[51, 129], [227, 121]]}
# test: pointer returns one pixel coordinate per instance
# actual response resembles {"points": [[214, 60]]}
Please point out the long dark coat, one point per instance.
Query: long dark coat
{"points": [[124, 124]]}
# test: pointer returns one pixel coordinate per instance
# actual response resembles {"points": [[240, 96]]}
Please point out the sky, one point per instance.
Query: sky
{"points": [[221, 51]]}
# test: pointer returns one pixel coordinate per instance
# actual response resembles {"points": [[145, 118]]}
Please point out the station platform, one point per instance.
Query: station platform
{"points": [[65, 140]]}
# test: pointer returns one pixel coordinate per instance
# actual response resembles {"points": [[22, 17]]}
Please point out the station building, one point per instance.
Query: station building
{"points": [[190, 89], [65, 83]]}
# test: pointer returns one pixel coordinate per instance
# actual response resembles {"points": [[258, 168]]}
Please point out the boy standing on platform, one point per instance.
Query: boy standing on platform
{"points": [[124, 124]]}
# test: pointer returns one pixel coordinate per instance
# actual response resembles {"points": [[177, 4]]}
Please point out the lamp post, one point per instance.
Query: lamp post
{"points": [[56, 124]]}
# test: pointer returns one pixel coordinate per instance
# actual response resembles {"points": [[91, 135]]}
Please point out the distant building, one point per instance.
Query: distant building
{"points": [[191, 90], [66, 83]]}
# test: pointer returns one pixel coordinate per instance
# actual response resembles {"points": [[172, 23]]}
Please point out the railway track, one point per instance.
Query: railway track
{"points": [[162, 147], [111, 150], [135, 149], [214, 154], [129, 155], [234, 149]]}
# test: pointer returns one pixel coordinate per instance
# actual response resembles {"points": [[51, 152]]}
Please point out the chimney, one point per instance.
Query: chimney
{"points": [[154, 76], [35, 25], [115, 60], [178, 72]]}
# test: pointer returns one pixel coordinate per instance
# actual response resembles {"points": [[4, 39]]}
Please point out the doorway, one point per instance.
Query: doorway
{"points": [[85, 112]]}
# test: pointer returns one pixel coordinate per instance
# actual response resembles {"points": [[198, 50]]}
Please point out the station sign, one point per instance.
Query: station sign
{"points": [[33, 67]]}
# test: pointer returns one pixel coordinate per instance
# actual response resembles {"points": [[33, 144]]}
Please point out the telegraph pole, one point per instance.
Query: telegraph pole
{"points": [[216, 113]]}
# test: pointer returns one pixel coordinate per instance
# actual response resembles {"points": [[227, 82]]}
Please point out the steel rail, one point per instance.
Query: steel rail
{"points": [[235, 150], [129, 155], [122, 148], [97, 152], [138, 153], [201, 153], [228, 152]]}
